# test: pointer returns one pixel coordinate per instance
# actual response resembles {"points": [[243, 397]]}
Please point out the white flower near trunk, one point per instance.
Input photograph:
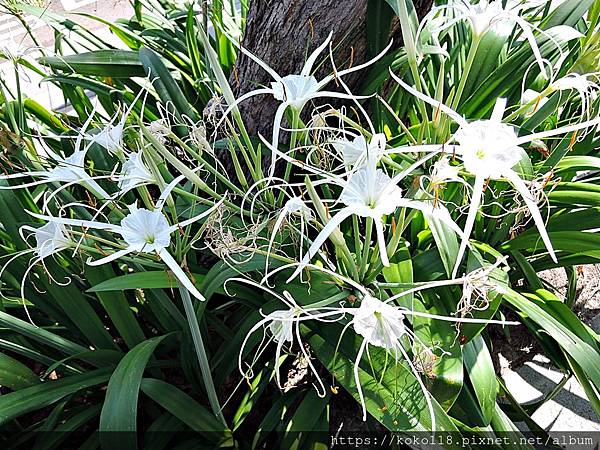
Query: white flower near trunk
{"points": [[294, 91], [142, 231]]}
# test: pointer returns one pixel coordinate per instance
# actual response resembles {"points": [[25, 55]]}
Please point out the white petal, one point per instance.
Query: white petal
{"points": [[322, 237], [516, 181], [109, 258], [180, 274], [308, 65], [473, 208], [433, 102]]}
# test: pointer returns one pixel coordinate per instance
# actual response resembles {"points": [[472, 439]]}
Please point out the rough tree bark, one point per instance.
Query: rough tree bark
{"points": [[283, 32]]}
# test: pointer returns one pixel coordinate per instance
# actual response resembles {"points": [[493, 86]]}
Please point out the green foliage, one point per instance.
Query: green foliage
{"points": [[78, 349]]}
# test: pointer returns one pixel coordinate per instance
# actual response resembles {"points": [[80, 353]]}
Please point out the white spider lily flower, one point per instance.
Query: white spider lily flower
{"points": [[111, 136], [284, 326], [293, 206], [351, 150], [443, 172], [134, 173], [159, 129], [492, 16], [356, 152], [490, 149], [143, 231], [295, 90], [370, 193], [583, 84], [381, 324], [51, 238], [70, 169]]}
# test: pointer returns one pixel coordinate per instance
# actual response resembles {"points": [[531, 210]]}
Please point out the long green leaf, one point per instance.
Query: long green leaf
{"points": [[119, 412]]}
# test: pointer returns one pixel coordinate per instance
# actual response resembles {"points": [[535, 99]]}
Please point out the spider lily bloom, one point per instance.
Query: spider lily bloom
{"points": [[70, 169], [294, 206], [160, 130], [50, 239], [295, 90], [284, 326], [370, 193], [381, 324], [584, 86], [351, 150], [134, 173], [490, 149], [111, 136], [143, 231], [492, 16], [357, 151]]}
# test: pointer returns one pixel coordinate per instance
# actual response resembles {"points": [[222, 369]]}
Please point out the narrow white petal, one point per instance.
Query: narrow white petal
{"points": [[254, 58], [381, 242], [191, 220], [96, 188], [167, 190], [459, 319], [499, 109], [473, 208], [558, 131], [239, 100], [433, 102], [77, 222], [21, 175], [322, 237], [179, 274], [520, 186], [310, 61], [414, 165], [25, 185], [531, 39], [367, 63], [116, 255], [357, 379], [276, 227], [275, 141], [331, 94]]}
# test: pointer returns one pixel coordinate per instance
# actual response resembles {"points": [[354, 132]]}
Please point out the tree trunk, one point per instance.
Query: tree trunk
{"points": [[283, 32]]}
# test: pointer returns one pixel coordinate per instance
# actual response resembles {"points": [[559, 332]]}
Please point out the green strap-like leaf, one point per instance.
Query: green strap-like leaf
{"points": [[480, 368], [14, 374], [185, 408], [29, 399], [119, 412]]}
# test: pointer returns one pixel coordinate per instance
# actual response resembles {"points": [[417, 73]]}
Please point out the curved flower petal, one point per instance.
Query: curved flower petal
{"points": [[435, 103], [179, 273], [239, 100], [557, 131], [310, 61], [322, 237], [112, 257], [381, 243], [77, 222], [520, 186], [191, 220], [473, 208]]}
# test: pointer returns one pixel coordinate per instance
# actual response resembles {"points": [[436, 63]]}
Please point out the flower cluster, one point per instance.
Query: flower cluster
{"points": [[340, 210]]}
